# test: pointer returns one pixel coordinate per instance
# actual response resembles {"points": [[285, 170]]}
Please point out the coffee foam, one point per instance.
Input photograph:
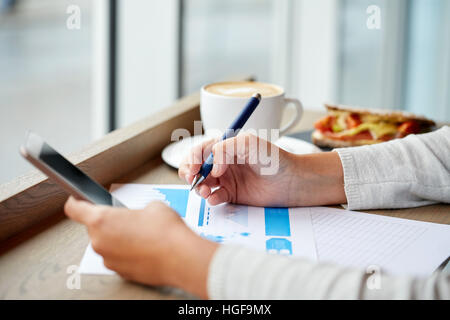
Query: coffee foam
{"points": [[243, 89]]}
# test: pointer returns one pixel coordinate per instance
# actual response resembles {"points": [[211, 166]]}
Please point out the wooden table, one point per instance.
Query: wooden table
{"points": [[34, 262]]}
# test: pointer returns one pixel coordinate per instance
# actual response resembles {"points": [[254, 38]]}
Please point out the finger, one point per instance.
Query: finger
{"points": [[209, 184], [128, 272], [219, 196], [240, 148], [156, 206], [81, 211], [120, 266], [219, 170], [203, 191], [224, 153], [192, 163], [211, 181], [189, 168]]}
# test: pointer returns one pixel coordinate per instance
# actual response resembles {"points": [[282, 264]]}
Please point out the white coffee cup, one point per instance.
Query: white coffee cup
{"points": [[221, 103]]}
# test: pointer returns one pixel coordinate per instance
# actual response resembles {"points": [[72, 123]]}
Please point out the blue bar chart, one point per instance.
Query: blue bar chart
{"points": [[279, 246], [277, 222], [177, 199]]}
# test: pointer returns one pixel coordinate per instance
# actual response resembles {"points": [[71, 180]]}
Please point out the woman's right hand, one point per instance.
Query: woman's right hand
{"points": [[252, 171]]}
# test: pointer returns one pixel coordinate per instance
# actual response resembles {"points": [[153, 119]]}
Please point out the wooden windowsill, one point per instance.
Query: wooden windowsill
{"points": [[30, 198]]}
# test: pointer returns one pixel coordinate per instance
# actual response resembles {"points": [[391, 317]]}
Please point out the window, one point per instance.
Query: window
{"points": [[427, 88], [403, 65], [59, 81], [226, 38], [171, 48], [45, 78]]}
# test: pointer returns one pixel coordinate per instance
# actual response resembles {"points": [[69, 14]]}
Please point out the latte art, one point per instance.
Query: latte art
{"points": [[244, 89]]}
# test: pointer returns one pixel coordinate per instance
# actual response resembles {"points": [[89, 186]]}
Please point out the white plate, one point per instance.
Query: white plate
{"points": [[297, 146], [175, 152]]}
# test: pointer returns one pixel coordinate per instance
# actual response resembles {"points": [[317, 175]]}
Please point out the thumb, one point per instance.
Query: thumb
{"points": [[81, 211]]}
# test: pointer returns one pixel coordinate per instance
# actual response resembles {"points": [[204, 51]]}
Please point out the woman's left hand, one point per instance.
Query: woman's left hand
{"points": [[151, 246]]}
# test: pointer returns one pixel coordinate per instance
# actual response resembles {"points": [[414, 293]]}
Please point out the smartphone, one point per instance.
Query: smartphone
{"points": [[60, 170]]}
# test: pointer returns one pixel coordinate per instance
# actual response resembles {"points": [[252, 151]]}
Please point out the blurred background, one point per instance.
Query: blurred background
{"points": [[74, 70]]}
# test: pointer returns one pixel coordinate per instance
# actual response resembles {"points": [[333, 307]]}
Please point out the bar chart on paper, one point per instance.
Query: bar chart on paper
{"points": [[318, 233], [266, 229], [138, 196], [238, 215], [278, 228], [223, 223], [177, 199]]}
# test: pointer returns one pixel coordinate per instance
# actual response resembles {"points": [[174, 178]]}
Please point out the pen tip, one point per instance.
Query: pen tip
{"points": [[197, 180], [194, 182]]}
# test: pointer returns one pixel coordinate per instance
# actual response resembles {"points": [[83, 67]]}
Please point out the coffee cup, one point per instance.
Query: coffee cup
{"points": [[221, 103]]}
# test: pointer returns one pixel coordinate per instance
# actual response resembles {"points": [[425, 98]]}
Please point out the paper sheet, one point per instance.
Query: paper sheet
{"points": [[275, 230], [397, 246]]}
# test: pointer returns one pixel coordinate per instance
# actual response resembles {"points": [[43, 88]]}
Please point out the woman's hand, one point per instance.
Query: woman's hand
{"points": [[151, 246], [249, 170]]}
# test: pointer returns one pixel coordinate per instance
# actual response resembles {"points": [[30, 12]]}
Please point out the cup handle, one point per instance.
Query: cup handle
{"points": [[299, 107]]}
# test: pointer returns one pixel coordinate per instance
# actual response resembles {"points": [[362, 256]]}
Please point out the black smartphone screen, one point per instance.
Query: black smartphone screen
{"points": [[93, 191]]}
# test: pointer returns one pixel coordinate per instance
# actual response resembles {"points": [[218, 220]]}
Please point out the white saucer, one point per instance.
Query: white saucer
{"points": [[296, 146], [175, 152]]}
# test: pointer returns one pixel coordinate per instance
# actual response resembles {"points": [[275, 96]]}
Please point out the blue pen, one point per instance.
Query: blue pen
{"points": [[229, 133]]}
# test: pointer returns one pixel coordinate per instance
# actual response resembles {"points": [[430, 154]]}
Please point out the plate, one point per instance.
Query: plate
{"points": [[297, 146], [175, 152]]}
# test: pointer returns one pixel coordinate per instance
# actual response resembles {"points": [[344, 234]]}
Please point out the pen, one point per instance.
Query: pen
{"points": [[231, 132]]}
